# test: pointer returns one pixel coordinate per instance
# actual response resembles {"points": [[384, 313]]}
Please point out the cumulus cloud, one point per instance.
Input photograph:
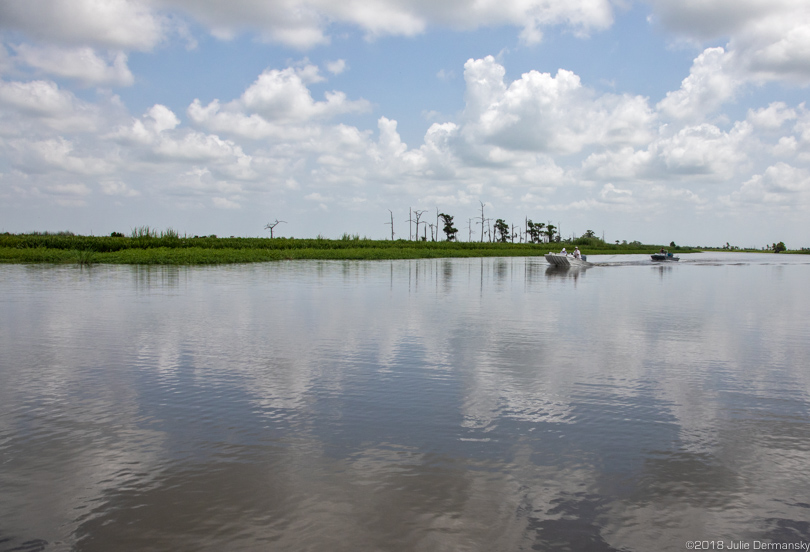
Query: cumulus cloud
{"points": [[303, 24], [771, 117], [542, 113], [57, 154], [780, 185], [277, 105], [82, 64], [42, 106], [704, 150], [155, 139], [708, 86], [768, 39], [126, 24]]}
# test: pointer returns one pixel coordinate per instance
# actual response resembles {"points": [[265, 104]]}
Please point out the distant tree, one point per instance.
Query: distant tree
{"points": [[501, 230], [535, 230], [391, 223], [779, 247], [418, 215], [271, 226], [590, 234], [483, 220], [550, 232], [672, 244], [449, 230]]}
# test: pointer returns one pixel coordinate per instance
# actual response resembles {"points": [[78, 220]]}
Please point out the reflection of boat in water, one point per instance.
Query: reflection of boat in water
{"points": [[664, 255], [566, 261], [566, 271]]}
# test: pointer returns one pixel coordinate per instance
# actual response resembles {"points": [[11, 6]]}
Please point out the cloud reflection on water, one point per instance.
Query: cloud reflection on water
{"points": [[441, 404]]}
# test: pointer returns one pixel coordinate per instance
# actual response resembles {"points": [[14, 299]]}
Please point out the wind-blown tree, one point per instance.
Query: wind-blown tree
{"points": [[779, 247], [449, 230], [501, 231]]}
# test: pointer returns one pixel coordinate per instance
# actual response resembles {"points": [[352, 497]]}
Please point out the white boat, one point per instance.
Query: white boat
{"points": [[566, 261]]}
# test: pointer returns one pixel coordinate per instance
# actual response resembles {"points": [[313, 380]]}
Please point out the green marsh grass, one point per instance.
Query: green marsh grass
{"points": [[148, 246], [84, 257]]}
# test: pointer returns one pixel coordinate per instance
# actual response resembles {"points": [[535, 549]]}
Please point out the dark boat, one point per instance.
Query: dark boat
{"points": [[664, 256]]}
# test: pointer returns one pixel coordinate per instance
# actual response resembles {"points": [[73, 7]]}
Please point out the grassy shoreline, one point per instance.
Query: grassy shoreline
{"points": [[175, 250]]}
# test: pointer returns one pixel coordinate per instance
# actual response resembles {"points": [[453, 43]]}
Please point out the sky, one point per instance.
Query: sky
{"points": [[659, 121]]}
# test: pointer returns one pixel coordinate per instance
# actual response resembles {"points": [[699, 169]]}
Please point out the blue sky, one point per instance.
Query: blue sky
{"points": [[655, 121]]}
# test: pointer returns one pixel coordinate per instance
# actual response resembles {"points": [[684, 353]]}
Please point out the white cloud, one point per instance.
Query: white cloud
{"points": [[780, 185], [336, 67], [69, 189], [542, 113], [278, 105], [81, 64], [38, 98], [155, 139], [771, 117], [704, 150], [37, 156], [786, 147], [5, 60], [303, 25], [224, 203], [767, 39], [708, 86], [282, 95], [624, 164], [315, 196], [42, 107], [147, 130], [128, 24], [117, 188]]}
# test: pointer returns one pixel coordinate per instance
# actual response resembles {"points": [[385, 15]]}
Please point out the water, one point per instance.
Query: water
{"points": [[466, 404]]}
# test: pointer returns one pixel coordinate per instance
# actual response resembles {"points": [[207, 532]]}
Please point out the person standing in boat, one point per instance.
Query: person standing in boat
{"points": [[577, 254], [564, 252]]}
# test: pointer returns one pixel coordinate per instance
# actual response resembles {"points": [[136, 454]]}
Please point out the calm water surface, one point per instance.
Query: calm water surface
{"points": [[466, 404]]}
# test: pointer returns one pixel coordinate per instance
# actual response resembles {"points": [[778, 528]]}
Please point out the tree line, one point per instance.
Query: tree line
{"points": [[494, 231]]}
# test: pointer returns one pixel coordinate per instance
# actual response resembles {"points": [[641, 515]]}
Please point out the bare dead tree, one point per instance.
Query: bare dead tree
{"points": [[432, 237], [483, 220], [391, 223], [469, 228], [270, 226], [418, 215]]}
